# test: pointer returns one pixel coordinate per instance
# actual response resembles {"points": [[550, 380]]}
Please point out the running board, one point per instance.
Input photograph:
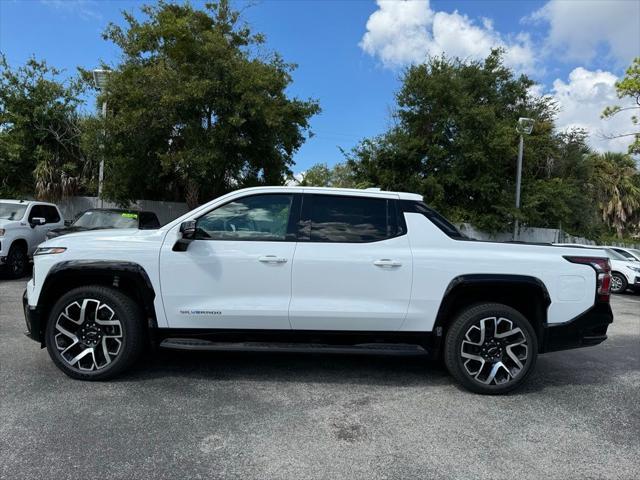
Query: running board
{"points": [[365, 348]]}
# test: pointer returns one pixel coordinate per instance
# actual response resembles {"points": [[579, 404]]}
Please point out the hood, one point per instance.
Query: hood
{"points": [[56, 232], [109, 237], [4, 223]]}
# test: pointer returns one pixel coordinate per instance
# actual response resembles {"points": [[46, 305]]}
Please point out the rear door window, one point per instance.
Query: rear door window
{"points": [[344, 219]]}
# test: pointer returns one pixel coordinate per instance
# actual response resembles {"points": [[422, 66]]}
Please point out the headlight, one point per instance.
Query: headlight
{"points": [[1, 232], [635, 269], [49, 250]]}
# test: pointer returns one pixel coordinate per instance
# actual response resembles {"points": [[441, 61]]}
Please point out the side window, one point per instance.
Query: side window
{"points": [[148, 221], [333, 218], [51, 214], [36, 212], [255, 218]]}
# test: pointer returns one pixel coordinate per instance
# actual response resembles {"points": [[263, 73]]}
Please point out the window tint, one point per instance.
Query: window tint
{"points": [[625, 254], [257, 218], [50, 214], [148, 221], [36, 212], [333, 218]]}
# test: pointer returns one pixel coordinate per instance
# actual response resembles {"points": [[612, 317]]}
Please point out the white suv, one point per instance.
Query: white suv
{"points": [[292, 267], [23, 226]]}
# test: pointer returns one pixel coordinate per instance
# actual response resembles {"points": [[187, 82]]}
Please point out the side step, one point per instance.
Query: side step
{"points": [[399, 349]]}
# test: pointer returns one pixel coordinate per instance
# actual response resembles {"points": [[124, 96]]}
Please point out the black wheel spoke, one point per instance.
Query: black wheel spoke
{"points": [[494, 351]]}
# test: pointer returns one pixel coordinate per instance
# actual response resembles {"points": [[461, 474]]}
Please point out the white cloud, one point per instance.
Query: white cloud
{"points": [[578, 29], [583, 98], [85, 9], [405, 32]]}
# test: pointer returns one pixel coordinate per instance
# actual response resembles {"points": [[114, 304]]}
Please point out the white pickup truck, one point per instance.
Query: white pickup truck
{"points": [[23, 226], [295, 267]]}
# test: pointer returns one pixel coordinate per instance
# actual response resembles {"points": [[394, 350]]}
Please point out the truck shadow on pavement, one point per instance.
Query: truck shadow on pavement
{"points": [[598, 365]]}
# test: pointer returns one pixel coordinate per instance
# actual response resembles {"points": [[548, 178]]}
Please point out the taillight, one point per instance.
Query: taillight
{"points": [[603, 274]]}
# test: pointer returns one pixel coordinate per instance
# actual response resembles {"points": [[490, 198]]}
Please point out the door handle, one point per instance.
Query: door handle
{"points": [[387, 262], [272, 259]]}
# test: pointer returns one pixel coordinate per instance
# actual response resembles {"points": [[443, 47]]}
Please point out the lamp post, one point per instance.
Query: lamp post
{"points": [[525, 127], [100, 77]]}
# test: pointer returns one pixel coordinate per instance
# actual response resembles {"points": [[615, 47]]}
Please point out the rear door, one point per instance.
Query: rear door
{"points": [[352, 268]]}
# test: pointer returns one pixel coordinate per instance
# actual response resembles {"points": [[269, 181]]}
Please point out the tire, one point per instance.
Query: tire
{"points": [[110, 328], [17, 261], [511, 358], [619, 283]]}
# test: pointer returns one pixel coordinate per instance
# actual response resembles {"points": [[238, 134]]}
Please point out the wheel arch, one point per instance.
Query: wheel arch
{"points": [[20, 241], [129, 278], [525, 293]]}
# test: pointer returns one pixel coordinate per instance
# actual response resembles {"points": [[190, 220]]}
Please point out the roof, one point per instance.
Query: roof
{"points": [[26, 202], [118, 210], [369, 192]]}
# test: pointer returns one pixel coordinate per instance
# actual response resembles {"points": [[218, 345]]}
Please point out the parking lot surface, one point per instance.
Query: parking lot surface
{"points": [[276, 415]]}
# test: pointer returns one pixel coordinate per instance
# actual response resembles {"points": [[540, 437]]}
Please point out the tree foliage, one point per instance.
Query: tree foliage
{"points": [[340, 175], [455, 141], [194, 111], [629, 86], [40, 130]]}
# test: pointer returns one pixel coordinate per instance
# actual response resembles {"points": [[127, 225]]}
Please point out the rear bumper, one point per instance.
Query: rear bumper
{"points": [[587, 329], [33, 320]]}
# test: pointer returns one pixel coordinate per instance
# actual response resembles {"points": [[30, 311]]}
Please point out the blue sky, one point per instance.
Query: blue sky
{"points": [[350, 53]]}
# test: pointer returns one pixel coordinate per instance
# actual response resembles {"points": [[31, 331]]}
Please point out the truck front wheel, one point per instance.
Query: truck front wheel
{"points": [[94, 333], [490, 348]]}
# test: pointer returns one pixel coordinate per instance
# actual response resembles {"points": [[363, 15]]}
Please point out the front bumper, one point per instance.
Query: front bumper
{"points": [[33, 319], [587, 329]]}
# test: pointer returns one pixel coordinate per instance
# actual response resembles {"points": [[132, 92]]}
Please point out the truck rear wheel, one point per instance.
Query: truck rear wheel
{"points": [[490, 348], [94, 333]]}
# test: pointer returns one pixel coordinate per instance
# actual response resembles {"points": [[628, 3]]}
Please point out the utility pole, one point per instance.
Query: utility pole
{"points": [[100, 77], [525, 127]]}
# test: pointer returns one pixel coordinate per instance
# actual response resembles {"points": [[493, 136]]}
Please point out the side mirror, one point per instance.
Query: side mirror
{"points": [[35, 221], [68, 223], [188, 235]]}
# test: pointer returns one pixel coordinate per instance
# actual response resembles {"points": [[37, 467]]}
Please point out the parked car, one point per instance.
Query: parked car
{"points": [[631, 254], [276, 267], [23, 226], [625, 274], [102, 218]]}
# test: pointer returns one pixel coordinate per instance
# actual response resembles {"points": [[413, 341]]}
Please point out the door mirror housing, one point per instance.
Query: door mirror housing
{"points": [[35, 221], [187, 235]]}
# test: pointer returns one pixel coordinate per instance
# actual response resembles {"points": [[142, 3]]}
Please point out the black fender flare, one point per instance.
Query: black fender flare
{"points": [[108, 272], [462, 284]]}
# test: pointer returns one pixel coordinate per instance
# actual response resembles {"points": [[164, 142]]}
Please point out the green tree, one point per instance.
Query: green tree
{"points": [[629, 86], [455, 139], [340, 175], [194, 109], [616, 185], [39, 132]]}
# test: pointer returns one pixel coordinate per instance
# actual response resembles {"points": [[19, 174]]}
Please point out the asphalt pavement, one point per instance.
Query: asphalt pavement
{"points": [[321, 416]]}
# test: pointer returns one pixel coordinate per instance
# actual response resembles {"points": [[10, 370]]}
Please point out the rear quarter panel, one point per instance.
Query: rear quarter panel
{"points": [[438, 259]]}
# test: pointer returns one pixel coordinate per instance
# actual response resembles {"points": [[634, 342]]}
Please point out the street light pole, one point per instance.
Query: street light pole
{"points": [[525, 127], [518, 181], [102, 146], [100, 77]]}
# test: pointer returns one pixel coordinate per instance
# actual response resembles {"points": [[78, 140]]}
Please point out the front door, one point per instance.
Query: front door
{"points": [[353, 265], [236, 274]]}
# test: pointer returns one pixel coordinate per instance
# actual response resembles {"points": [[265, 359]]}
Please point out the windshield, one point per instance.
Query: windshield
{"points": [[615, 255], [627, 254], [107, 219], [12, 211]]}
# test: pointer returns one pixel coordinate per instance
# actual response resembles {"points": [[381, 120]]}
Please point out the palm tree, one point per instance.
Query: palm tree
{"points": [[616, 184]]}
